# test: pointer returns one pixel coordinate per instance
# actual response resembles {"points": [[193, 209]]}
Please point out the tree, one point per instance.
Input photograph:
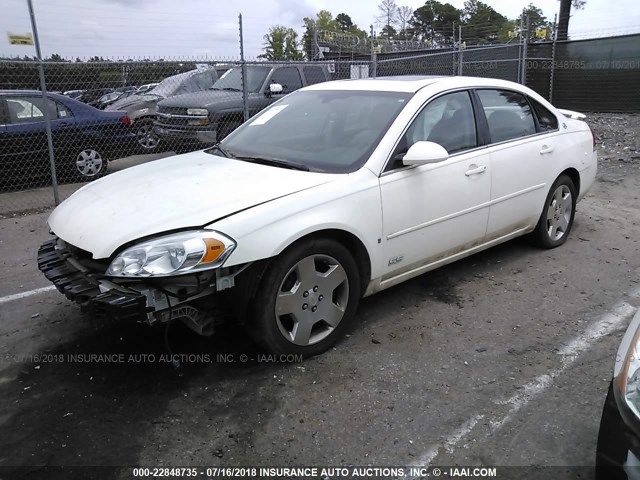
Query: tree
{"points": [[435, 21], [344, 22], [387, 13], [324, 26], [55, 58], [565, 15], [388, 32], [481, 23], [537, 20], [404, 15], [324, 21], [281, 43]]}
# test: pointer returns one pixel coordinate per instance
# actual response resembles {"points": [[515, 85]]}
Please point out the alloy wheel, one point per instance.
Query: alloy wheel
{"points": [[312, 299], [559, 213]]}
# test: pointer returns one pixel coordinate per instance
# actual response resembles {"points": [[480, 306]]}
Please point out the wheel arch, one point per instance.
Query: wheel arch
{"points": [[349, 240], [574, 175]]}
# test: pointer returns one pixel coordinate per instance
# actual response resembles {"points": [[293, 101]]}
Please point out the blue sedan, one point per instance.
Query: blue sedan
{"points": [[84, 139]]}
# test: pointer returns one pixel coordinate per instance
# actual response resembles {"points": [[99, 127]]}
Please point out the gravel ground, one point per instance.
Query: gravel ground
{"points": [[618, 140]]}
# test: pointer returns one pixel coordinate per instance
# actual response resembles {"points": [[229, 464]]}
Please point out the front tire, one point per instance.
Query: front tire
{"points": [[556, 220], [306, 299]]}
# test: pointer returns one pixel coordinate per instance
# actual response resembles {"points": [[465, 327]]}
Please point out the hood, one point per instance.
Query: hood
{"points": [[222, 98], [134, 102], [177, 192]]}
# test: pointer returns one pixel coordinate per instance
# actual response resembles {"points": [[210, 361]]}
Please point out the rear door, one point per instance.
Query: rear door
{"points": [[522, 156]]}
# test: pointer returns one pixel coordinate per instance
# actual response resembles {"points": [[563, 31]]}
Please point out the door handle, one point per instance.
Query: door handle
{"points": [[475, 170], [546, 149]]}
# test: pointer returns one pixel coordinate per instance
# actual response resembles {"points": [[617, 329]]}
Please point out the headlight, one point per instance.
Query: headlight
{"points": [[627, 369], [197, 111], [175, 254]]}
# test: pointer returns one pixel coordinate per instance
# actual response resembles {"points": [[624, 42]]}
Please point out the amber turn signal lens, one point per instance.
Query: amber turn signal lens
{"points": [[213, 251]]}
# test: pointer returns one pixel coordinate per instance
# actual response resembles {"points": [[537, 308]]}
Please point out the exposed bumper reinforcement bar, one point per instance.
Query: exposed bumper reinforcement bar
{"points": [[83, 287]]}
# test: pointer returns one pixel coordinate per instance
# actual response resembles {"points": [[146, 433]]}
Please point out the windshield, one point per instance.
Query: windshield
{"points": [[169, 85], [232, 79], [324, 130]]}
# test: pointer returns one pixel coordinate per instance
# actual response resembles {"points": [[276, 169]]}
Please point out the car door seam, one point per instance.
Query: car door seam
{"points": [[465, 211]]}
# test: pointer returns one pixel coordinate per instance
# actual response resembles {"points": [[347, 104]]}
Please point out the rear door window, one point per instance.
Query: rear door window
{"points": [[313, 74], [508, 114]]}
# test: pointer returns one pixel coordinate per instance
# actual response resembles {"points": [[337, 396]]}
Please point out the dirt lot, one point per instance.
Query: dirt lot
{"points": [[500, 359]]}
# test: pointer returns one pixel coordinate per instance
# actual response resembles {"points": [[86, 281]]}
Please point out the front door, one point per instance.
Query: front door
{"points": [[434, 211]]}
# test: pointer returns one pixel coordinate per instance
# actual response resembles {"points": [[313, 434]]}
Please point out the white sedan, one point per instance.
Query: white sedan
{"points": [[335, 192]]}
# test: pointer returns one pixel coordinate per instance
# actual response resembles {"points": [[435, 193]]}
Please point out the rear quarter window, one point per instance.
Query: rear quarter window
{"points": [[547, 121]]}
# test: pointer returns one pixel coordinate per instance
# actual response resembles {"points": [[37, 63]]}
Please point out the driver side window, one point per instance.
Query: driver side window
{"points": [[448, 121]]}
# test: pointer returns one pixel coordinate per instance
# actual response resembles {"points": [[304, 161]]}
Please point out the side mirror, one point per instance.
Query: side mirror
{"points": [[274, 88], [422, 153]]}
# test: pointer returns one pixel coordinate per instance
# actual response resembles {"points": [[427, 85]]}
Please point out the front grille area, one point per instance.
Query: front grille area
{"points": [[172, 110]]}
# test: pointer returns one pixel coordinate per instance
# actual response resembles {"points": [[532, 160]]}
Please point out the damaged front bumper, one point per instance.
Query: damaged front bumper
{"points": [[82, 286], [100, 296]]}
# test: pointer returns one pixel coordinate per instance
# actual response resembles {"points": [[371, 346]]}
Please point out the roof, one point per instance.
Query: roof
{"points": [[410, 83]]}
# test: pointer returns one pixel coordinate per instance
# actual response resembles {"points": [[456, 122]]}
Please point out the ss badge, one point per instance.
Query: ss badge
{"points": [[394, 260]]}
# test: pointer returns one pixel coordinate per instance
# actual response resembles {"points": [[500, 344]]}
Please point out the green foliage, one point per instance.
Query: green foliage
{"points": [[481, 23], [435, 21], [281, 43], [344, 22]]}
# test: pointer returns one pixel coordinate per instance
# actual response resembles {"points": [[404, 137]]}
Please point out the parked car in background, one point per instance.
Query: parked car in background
{"points": [[106, 100], [145, 88], [337, 191], [141, 109], [208, 116], [73, 93], [94, 94], [618, 450], [84, 139]]}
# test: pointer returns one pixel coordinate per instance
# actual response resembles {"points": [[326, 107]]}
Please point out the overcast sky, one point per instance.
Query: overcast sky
{"points": [[137, 29]]}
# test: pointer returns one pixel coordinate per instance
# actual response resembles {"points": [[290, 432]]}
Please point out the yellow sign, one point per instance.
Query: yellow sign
{"points": [[377, 49], [25, 39], [542, 33]]}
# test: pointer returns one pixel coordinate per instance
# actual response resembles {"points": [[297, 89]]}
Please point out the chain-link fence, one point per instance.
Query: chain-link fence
{"points": [[107, 115]]}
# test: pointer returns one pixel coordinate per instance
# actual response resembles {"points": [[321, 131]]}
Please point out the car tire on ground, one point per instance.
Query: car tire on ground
{"points": [[146, 136], [557, 216], [306, 299]]}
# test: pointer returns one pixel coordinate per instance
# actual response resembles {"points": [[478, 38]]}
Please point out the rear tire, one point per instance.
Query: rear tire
{"points": [[306, 299], [88, 164], [557, 216], [148, 140]]}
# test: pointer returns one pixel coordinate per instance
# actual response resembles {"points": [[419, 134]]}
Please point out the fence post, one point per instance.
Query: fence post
{"points": [[45, 107], [453, 53], [460, 50], [525, 43], [374, 56], [554, 38], [245, 107]]}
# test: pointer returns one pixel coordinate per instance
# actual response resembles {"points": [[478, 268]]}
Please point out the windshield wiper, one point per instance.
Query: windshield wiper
{"points": [[274, 162], [223, 151]]}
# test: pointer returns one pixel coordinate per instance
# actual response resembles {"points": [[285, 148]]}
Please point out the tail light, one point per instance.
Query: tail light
{"points": [[126, 120], [593, 136]]}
